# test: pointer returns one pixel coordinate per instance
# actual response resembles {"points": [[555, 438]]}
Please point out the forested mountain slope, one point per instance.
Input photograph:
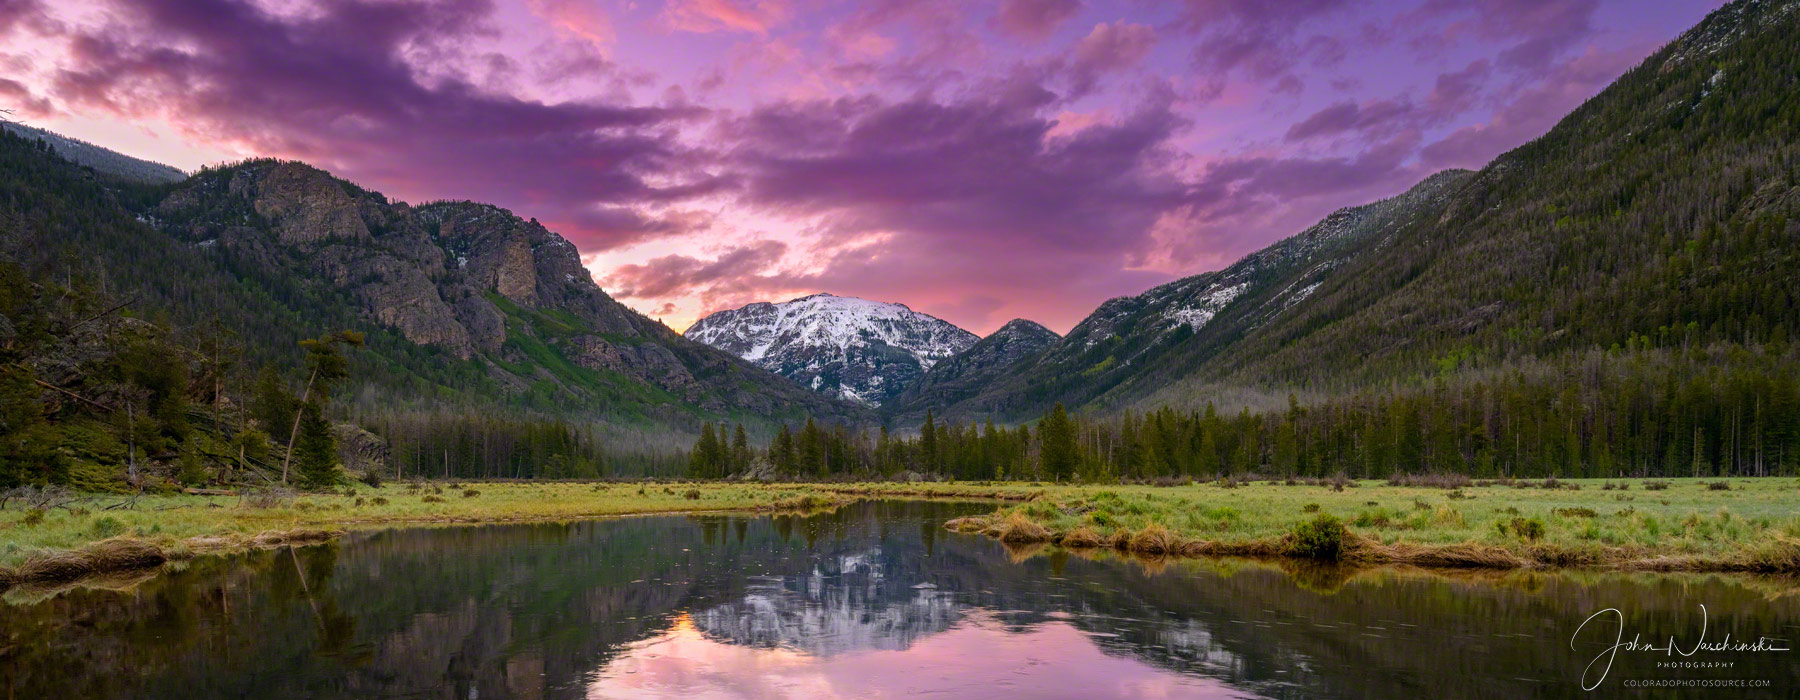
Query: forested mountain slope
{"points": [[479, 325], [992, 359], [1200, 316], [1661, 213], [506, 297], [102, 160]]}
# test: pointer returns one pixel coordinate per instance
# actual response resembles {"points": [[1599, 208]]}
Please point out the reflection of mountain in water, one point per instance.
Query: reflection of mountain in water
{"points": [[846, 603], [536, 611]]}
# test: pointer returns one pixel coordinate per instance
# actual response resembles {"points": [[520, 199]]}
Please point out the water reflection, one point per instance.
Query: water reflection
{"points": [[978, 657], [873, 601], [845, 603]]}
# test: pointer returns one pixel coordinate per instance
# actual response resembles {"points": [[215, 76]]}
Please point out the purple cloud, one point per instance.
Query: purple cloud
{"points": [[1258, 37], [1532, 110], [984, 169], [668, 275], [284, 85], [1109, 48], [1034, 19], [890, 148]]}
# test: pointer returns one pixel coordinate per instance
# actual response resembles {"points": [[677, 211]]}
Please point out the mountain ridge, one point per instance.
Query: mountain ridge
{"points": [[857, 349]]}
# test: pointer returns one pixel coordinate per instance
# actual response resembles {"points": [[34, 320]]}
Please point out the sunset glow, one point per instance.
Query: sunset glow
{"points": [[978, 161]]}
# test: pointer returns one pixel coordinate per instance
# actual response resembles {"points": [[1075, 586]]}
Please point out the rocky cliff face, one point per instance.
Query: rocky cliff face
{"points": [[860, 350], [472, 279]]}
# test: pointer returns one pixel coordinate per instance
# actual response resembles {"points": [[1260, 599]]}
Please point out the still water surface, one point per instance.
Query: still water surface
{"points": [[874, 601]]}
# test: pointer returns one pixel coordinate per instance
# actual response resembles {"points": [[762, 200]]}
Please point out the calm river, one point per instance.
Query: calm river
{"points": [[874, 601]]}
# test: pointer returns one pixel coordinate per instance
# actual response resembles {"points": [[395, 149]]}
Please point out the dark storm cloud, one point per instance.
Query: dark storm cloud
{"points": [[334, 87]]}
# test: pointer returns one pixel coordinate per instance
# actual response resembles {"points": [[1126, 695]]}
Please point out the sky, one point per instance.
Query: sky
{"points": [[977, 160]]}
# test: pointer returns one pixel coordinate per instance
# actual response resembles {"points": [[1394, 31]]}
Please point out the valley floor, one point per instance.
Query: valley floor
{"points": [[1679, 524]]}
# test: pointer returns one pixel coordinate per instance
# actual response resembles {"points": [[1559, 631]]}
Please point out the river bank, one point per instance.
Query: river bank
{"points": [[107, 532], [1680, 524], [1630, 524]]}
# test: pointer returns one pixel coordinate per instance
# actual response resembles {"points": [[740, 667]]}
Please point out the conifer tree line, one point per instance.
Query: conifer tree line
{"points": [[1724, 411], [457, 445]]}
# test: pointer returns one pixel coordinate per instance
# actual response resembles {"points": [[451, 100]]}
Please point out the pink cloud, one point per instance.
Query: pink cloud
{"points": [[1034, 19], [579, 18], [754, 16]]}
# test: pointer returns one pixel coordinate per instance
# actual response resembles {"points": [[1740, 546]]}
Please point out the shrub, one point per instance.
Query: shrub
{"points": [[379, 501], [1323, 537], [1374, 518], [371, 477], [1523, 528], [1430, 481], [272, 497], [1718, 486], [32, 517], [1310, 508], [1446, 516], [470, 493], [1577, 512], [428, 498], [108, 527], [692, 494], [1655, 485]]}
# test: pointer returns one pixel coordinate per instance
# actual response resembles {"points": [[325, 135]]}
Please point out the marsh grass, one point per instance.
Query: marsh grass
{"points": [[1505, 523], [1684, 525], [83, 539]]}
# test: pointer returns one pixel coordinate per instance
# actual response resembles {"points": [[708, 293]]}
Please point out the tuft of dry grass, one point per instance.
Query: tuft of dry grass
{"points": [[1082, 537], [1019, 529], [1155, 539], [106, 555]]}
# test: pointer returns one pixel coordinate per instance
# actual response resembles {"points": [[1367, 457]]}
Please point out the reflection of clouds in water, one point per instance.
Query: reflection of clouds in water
{"points": [[844, 604], [976, 657]]}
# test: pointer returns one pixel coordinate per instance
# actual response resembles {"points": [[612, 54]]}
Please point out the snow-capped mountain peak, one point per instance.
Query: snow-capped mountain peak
{"points": [[858, 349]]}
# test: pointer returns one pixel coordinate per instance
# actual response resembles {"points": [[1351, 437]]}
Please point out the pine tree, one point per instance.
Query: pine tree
{"points": [[701, 463], [1056, 437], [928, 444], [270, 403], [740, 450], [783, 454], [326, 365], [315, 451]]}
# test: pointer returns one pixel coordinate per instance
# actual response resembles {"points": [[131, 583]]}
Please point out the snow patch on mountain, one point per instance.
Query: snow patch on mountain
{"points": [[1205, 307], [856, 349]]}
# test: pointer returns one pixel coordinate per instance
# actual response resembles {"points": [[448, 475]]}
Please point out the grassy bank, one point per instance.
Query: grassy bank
{"points": [[1678, 524], [1682, 524], [86, 537]]}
